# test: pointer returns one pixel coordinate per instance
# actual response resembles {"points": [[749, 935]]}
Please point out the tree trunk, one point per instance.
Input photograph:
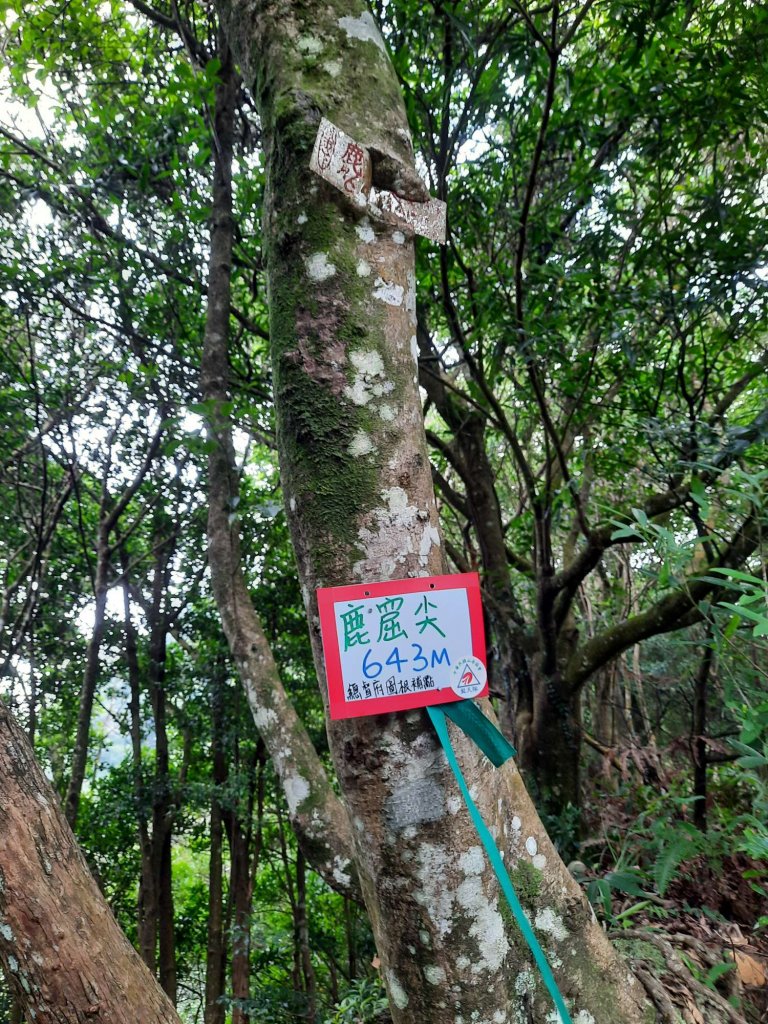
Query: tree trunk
{"points": [[215, 962], [163, 798], [146, 908], [699, 727], [317, 815], [358, 487], [90, 676], [241, 895], [302, 930], [550, 748], [62, 950]]}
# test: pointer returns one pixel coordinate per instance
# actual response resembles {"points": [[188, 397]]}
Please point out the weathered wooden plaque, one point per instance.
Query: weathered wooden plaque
{"points": [[345, 164], [341, 161]]}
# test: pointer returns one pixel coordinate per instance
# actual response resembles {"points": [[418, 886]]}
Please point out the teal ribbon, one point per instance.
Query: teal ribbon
{"points": [[467, 715]]}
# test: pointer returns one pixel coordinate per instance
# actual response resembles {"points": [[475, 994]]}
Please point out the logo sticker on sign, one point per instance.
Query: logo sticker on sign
{"points": [[402, 644]]}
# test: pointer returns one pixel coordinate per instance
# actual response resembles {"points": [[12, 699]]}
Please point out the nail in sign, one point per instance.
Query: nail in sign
{"points": [[402, 644]]}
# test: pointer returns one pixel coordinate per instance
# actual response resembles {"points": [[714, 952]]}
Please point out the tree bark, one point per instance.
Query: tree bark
{"points": [[550, 749], [361, 507], [63, 953]]}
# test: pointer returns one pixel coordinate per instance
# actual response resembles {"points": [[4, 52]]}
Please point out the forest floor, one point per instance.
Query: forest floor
{"points": [[701, 947]]}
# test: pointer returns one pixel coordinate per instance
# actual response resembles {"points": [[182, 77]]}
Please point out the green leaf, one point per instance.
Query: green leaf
{"points": [[625, 881]]}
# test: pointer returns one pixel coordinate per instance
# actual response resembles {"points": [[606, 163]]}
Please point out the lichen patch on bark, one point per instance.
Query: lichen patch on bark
{"points": [[363, 28]]}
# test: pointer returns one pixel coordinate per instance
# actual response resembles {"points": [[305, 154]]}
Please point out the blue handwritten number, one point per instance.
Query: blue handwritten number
{"points": [[438, 657], [419, 657], [395, 659], [371, 669]]}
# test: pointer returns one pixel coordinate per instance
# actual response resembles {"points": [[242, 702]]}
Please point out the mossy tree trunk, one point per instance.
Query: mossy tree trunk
{"points": [[361, 507], [318, 817]]}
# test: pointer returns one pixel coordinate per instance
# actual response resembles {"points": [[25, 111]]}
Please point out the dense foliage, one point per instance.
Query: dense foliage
{"points": [[592, 355]]}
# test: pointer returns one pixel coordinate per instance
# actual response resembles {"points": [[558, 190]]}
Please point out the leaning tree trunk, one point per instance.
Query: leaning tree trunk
{"points": [[360, 503], [63, 953], [318, 817]]}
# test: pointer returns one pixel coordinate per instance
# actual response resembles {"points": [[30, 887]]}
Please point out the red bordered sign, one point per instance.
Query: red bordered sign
{"points": [[403, 644]]}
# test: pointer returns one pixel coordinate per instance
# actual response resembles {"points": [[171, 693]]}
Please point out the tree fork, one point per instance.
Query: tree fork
{"points": [[361, 506]]}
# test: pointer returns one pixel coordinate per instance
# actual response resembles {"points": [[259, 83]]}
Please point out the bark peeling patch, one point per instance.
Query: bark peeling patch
{"points": [[429, 539], [415, 349], [410, 297], [264, 718], [434, 974], [487, 927], [432, 893], [525, 983], [340, 874], [369, 381], [310, 45], [363, 28], [414, 803], [388, 536]]}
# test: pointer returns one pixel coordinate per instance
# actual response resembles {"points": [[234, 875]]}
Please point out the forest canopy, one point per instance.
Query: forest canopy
{"points": [[591, 353]]}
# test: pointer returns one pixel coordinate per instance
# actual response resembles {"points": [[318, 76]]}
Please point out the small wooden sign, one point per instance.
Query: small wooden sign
{"points": [[402, 644], [338, 159], [346, 165]]}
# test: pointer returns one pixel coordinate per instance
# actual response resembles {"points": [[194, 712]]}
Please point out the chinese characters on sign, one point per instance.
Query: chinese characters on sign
{"points": [[342, 162], [347, 166], [403, 644]]}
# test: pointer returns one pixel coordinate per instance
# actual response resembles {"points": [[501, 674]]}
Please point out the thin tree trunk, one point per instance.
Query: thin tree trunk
{"points": [[361, 507], [350, 931], [109, 513], [62, 951], [90, 676], [166, 923], [146, 908], [241, 896], [215, 962], [699, 745], [302, 928], [550, 750]]}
